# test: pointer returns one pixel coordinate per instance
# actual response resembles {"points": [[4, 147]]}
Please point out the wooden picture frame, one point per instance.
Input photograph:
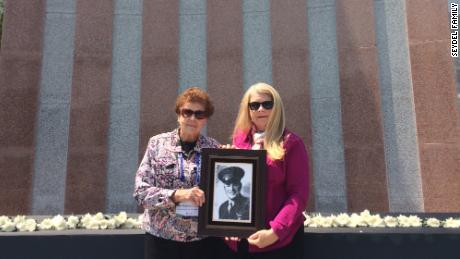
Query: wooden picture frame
{"points": [[234, 184]]}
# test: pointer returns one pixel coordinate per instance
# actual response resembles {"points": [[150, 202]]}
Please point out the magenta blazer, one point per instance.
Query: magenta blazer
{"points": [[287, 189]]}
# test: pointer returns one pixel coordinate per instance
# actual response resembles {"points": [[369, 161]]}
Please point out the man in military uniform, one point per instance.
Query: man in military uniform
{"points": [[237, 205]]}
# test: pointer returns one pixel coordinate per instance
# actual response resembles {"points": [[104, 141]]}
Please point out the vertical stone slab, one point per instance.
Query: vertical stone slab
{"points": [[159, 80], [400, 131], [192, 44], [327, 155], [257, 44], [20, 67], [52, 134], [438, 124], [89, 111], [361, 111], [124, 106], [290, 68], [225, 63]]}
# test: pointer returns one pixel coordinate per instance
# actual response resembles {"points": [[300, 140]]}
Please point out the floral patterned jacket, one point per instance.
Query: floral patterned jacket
{"points": [[158, 176]]}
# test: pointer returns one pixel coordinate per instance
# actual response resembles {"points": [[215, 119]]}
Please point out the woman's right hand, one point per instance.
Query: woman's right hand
{"points": [[195, 195], [236, 239]]}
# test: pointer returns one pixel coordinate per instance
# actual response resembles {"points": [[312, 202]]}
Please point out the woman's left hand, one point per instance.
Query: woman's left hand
{"points": [[236, 239], [263, 238], [195, 195], [228, 146]]}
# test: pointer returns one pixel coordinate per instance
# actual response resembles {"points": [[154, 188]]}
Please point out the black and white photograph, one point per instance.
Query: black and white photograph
{"points": [[234, 184], [232, 197]]}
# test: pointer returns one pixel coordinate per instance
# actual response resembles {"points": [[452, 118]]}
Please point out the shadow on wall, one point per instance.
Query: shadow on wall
{"points": [[2, 9], [457, 67], [457, 81], [458, 100], [457, 77]]}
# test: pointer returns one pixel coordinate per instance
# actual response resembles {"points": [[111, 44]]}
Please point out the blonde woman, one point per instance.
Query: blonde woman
{"points": [[260, 124]]}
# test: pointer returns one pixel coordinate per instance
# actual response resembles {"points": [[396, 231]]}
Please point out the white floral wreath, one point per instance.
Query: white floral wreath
{"points": [[87, 221], [366, 219], [313, 220]]}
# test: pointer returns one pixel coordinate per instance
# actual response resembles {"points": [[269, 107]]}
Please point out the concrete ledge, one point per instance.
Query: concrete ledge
{"points": [[73, 244], [319, 243]]}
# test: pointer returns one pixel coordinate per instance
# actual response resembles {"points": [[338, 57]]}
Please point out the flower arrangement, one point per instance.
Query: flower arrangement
{"points": [[366, 219], [87, 221], [313, 220]]}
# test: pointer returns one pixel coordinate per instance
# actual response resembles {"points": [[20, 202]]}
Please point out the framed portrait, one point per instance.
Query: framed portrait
{"points": [[234, 184]]}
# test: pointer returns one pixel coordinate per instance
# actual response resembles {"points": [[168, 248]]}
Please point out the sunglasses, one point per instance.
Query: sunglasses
{"points": [[254, 106], [187, 113]]}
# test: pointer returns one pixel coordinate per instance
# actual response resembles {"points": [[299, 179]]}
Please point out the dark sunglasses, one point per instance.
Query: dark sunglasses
{"points": [[254, 106], [187, 113]]}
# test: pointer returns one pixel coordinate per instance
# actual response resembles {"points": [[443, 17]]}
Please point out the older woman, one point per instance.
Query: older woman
{"points": [[167, 180], [261, 125]]}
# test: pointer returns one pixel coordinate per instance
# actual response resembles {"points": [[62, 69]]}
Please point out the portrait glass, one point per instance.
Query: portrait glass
{"points": [[232, 200]]}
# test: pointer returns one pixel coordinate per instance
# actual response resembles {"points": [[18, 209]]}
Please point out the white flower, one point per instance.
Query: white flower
{"points": [[365, 213], [415, 221], [111, 224], [305, 223], [46, 224], [31, 225], [375, 221], [120, 219], [356, 221], [342, 219], [327, 222], [8, 226], [93, 224], [59, 222], [3, 220], [99, 216], [85, 220], [103, 224], [433, 223], [452, 223], [353, 223], [391, 221], [19, 219], [404, 221], [315, 221], [21, 226], [27, 225], [72, 222], [137, 222], [367, 218]]}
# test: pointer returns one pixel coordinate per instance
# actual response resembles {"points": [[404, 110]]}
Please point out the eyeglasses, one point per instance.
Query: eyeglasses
{"points": [[187, 113], [254, 106]]}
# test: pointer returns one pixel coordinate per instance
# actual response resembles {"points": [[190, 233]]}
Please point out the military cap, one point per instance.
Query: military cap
{"points": [[231, 175]]}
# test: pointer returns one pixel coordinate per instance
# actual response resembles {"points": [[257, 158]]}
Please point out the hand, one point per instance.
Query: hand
{"points": [[228, 146], [263, 238], [195, 195], [236, 239]]}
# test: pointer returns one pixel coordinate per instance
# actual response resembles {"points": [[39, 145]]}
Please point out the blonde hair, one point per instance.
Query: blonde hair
{"points": [[273, 141]]}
